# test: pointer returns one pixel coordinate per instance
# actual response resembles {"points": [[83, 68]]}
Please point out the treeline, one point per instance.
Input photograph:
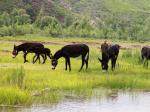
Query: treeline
{"points": [[110, 26]]}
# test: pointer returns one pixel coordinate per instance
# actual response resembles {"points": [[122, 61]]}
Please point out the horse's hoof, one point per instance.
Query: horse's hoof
{"points": [[26, 61]]}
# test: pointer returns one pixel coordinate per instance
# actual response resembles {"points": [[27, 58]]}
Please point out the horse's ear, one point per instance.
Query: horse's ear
{"points": [[99, 59]]}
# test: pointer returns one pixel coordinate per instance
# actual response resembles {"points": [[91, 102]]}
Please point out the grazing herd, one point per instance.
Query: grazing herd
{"points": [[109, 52]]}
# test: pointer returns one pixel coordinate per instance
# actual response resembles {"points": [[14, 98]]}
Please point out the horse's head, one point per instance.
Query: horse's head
{"points": [[15, 51], [104, 64], [54, 63]]}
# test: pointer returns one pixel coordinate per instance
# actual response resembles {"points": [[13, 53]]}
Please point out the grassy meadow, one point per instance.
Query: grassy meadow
{"points": [[24, 84]]}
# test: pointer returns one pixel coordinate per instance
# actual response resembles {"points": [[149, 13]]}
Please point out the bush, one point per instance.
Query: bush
{"points": [[15, 30]]}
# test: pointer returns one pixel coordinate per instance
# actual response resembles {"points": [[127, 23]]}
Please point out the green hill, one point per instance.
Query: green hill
{"points": [[90, 8], [121, 19]]}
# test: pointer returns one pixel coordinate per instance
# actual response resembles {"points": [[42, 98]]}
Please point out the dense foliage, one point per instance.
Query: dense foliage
{"points": [[113, 19]]}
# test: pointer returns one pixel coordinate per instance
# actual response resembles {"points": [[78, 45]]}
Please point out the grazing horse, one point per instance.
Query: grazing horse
{"points": [[110, 53], [73, 50], [24, 47], [145, 54], [40, 51]]}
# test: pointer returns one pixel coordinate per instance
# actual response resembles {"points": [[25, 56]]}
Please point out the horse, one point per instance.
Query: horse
{"points": [[145, 54], [111, 53], [40, 51], [72, 50], [24, 47]]}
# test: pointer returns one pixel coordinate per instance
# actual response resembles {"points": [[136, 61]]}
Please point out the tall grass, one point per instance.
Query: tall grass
{"points": [[14, 96], [16, 78]]}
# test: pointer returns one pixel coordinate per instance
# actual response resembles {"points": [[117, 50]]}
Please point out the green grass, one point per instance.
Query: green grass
{"points": [[20, 81], [14, 96]]}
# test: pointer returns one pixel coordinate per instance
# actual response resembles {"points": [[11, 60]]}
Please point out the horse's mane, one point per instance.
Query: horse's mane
{"points": [[58, 53]]}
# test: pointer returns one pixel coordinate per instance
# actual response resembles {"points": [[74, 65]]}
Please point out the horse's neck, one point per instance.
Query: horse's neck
{"points": [[19, 48], [105, 56], [58, 54]]}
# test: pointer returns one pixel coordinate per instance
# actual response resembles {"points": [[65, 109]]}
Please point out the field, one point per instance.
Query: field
{"points": [[24, 84]]}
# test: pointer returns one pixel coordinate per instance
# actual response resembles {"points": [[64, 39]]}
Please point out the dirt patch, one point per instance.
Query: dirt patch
{"points": [[97, 44], [5, 51]]}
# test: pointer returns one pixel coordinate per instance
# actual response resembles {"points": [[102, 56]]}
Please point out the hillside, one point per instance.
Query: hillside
{"points": [[122, 19], [33, 8], [89, 8]]}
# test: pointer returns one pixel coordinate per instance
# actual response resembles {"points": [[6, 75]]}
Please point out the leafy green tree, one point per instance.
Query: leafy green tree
{"points": [[5, 19], [20, 17]]}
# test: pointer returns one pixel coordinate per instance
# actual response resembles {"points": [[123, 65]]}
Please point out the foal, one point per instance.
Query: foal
{"points": [[44, 52], [110, 53], [73, 50]]}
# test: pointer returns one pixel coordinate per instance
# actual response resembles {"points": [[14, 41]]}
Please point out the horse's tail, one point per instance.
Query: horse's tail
{"points": [[86, 56]]}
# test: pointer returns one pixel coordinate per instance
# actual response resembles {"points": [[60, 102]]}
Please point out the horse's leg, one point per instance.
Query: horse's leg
{"points": [[34, 58], [37, 57], [44, 58], [82, 63], [113, 62], [86, 62], [49, 55], [147, 63], [25, 54], [144, 61], [69, 64], [86, 59], [66, 61]]}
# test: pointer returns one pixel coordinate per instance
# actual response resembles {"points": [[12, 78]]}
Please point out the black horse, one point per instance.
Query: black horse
{"points": [[110, 53], [73, 50], [24, 47], [44, 52], [145, 54]]}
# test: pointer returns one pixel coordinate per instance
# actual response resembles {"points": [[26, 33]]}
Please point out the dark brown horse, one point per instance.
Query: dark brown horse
{"points": [[145, 54], [24, 47], [73, 50], [111, 52]]}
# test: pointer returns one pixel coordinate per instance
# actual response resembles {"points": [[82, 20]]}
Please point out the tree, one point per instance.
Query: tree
{"points": [[5, 19]]}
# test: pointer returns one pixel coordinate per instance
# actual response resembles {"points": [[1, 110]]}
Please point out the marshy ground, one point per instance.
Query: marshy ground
{"points": [[25, 84]]}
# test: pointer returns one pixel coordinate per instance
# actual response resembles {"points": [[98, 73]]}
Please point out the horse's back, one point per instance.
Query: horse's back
{"points": [[27, 45], [145, 52], [76, 47], [75, 50], [33, 44], [114, 49]]}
